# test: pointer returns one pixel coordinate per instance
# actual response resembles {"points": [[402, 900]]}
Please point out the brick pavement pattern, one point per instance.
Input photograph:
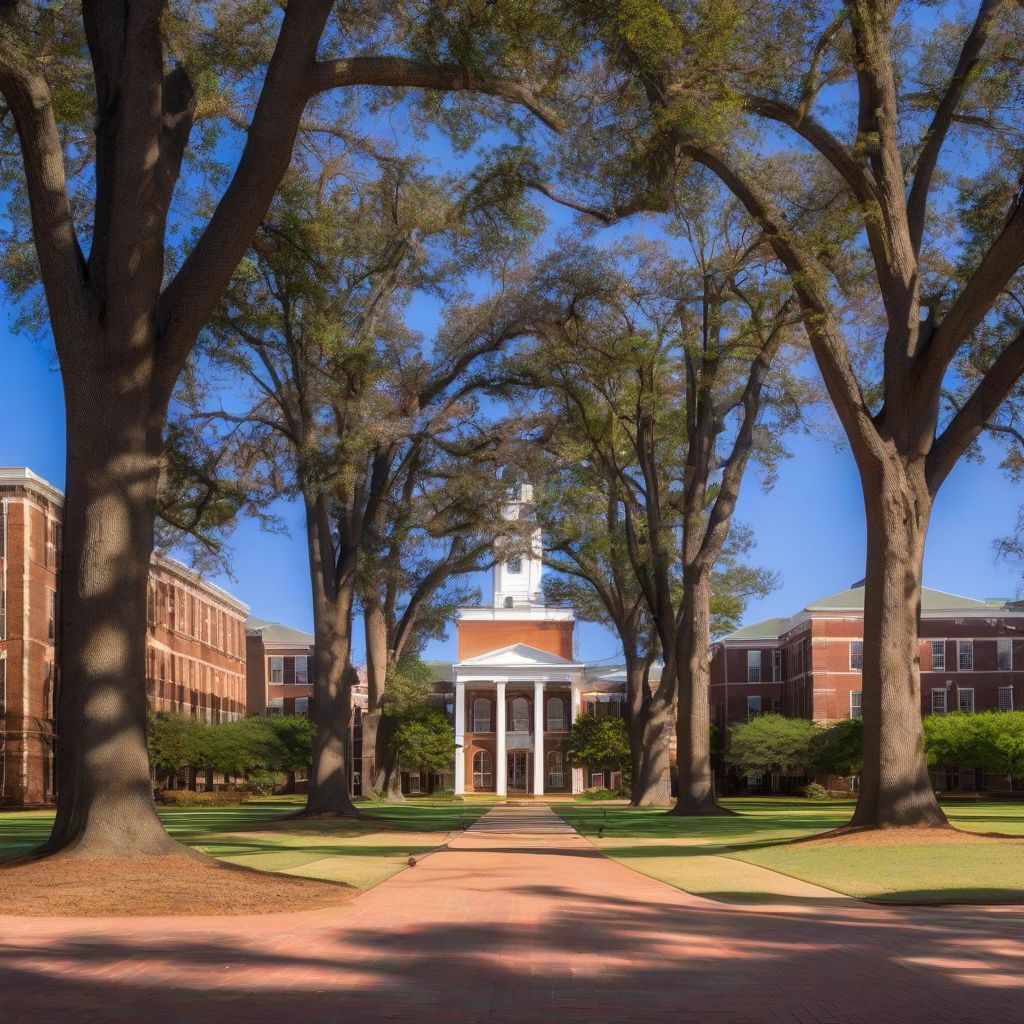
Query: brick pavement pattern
{"points": [[522, 920]]}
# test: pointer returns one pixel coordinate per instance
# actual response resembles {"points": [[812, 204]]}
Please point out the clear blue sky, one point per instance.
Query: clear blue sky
{"points": [[810, 527]]}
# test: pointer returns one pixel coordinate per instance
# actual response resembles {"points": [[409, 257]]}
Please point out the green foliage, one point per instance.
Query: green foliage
{"points": [[840, 748], [600, 793], [815, 791], [599, 743], [422, 736], [250, 746], [773, 743], [187, 798], [992, 741]]}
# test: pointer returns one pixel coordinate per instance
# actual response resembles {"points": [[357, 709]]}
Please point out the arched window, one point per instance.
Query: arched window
{"points": [[509, 602], [556, 776], [482, 771], [520, 714], [556, 714], [481, 715]]}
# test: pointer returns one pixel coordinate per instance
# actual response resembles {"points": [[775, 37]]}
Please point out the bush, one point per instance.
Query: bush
{"points": [[262, 783], [187, 798], [814, 791], [773, 743], [600, 793]]}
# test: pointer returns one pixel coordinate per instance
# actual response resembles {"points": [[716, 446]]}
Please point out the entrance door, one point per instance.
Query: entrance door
{"points": [[517, 770]]}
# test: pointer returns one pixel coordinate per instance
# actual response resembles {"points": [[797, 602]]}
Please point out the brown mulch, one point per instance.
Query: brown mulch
{"points": [[63, 886], [901, 837]]}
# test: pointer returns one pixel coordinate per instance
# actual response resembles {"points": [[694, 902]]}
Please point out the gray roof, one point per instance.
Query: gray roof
{"points": [[277, 633], [852, 599], [767, 629]]}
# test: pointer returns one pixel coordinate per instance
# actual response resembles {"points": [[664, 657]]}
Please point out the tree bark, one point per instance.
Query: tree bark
{"points": [[652, 785], [895, 787], [105, 798], [696, 788]]}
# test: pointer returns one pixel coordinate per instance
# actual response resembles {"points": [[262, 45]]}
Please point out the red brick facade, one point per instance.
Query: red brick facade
{"points": [[195, 650], [479, 636]]}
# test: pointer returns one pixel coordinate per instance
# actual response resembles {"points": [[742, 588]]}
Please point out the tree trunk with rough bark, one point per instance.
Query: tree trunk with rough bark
{"points": [[895, 787], [105, 797], [653, 786], [696, 788]]}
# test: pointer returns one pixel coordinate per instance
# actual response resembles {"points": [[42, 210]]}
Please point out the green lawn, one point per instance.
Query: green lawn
{"points": [[747, 856], [360, 852]]}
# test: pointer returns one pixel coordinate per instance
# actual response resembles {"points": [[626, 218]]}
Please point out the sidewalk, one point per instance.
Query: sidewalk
{"points": [[522, 920]]}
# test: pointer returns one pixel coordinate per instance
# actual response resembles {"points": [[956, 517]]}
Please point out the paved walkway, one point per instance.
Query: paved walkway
{"points": [[521, 920]]}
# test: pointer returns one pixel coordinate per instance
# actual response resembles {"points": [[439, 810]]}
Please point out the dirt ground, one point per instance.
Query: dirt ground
{"points": [[77, 887], [902, 837]]}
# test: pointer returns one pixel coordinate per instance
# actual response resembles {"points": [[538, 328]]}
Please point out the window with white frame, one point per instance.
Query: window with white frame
{"points": [[776, 666], [483, 776], [302, 670], [277, 669], [965, 699], [1005, 698], [3, 686], [481, 715], [965, 655], [938, 655], [51, 625], [753, 666], [855, 707], [275, 706], [520, 714], [856, 655], [302, 705], [938, 701], [556, 714], [753, 707], [1004, 654]]}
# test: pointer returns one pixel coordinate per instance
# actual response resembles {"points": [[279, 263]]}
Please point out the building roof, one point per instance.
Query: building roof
{"points": [[767, 629], [517, 656], [852, 599], [22, 476], [171, 565], [278, 633]]}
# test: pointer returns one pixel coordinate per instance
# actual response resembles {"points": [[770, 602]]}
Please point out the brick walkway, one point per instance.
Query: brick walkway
{"points": [[521, 920]]}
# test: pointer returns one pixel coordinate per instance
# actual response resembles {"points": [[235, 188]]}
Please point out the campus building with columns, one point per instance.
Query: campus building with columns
{"points": [[517, 686]]}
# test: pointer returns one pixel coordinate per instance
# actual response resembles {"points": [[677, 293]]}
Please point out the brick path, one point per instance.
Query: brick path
{"points": [[521, 920]]}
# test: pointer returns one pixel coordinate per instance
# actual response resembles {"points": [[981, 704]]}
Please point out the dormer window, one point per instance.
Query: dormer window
{"points": [[514, 566]]}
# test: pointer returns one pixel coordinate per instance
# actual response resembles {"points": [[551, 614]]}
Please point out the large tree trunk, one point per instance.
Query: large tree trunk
{"points": [[329, 792], [650, 734], [104, 796], [381, 778], [696, 793], [895, 787]]}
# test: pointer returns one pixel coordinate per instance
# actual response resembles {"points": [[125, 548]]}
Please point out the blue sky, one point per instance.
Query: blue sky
{"points": [[810, 527]]}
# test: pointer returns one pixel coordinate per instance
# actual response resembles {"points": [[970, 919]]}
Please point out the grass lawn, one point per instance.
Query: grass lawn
{"points": [[747, 857], [361, 852]]}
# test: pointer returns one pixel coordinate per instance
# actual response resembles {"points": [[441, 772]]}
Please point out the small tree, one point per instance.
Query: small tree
{"points": [[172, 743], [839, 749], [957, 739], [294, 736], [772, 743], [600, 743]]}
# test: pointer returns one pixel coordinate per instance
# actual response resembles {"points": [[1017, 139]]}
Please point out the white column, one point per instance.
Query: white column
{"points": [[574, 704], [500, 755], [538, 738], [460, 739]]}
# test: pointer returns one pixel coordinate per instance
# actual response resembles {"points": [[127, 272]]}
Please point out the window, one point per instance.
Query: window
{"points": [[776, 666], [53, 539], [302, 705], [556, 777], [520, 714], [855, 708], [753, 666], [277, 669], [556, 714], [481, 715], [3, 611], [275, 706], [414, 783], [1004, 654], [3, 686], [856, 655], [597, 780], [482, 772], [753, 707], [966, 655], [51, 625], [514, 566], [605, 705], [938, 701], [509, 602], [965, 698], [1005, 698], [939, 655], [302, 670]]}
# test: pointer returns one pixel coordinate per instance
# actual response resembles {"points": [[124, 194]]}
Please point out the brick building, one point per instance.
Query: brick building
{"points": [[278, 669], [195, 650], [809, 665]]}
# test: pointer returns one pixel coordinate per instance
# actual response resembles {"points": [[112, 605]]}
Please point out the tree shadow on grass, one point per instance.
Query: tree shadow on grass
{"points": [[603, 957]]}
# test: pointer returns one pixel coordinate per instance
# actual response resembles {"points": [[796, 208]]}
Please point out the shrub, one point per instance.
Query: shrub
{"points": [[600, 793], [814, 791], [187, 798], [262, 783], [772, 743]]}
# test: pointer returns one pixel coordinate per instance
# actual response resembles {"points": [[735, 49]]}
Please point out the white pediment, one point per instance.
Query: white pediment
{"points": [[517, 656]]}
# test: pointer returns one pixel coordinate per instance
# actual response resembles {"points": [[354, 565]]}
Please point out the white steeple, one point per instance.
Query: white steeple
{"points": [[517, 578]]}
